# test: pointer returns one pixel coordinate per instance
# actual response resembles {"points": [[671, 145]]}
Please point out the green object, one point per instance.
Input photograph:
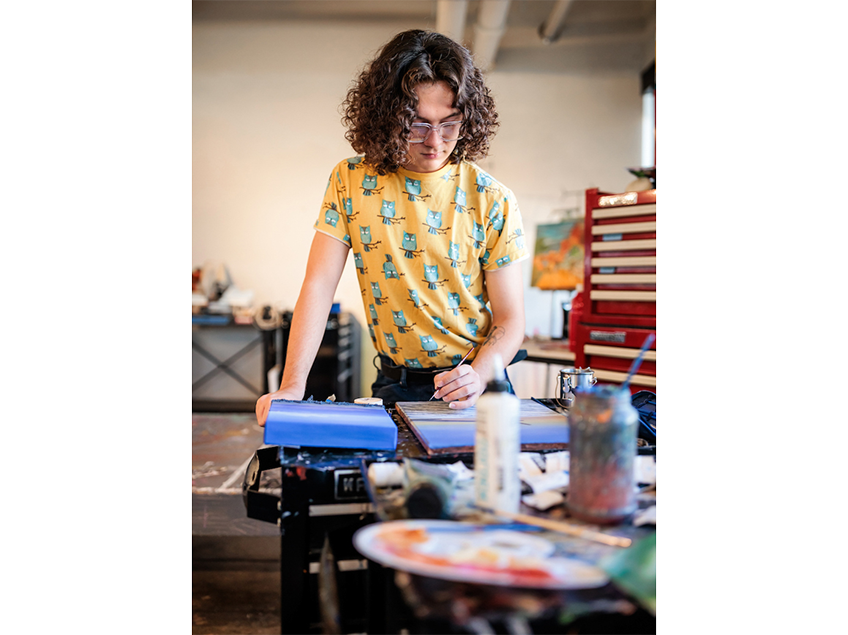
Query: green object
{"points": [[634, 571]]}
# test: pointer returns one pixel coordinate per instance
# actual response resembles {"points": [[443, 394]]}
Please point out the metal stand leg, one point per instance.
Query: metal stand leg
{"points": [[294, 556]]}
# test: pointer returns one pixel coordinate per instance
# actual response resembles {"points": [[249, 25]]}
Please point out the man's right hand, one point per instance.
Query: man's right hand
{"points": [[263, 404]]}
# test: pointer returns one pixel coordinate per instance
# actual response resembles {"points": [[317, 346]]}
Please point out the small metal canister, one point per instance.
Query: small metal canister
{"points": [[602, 445], [571, 379]]}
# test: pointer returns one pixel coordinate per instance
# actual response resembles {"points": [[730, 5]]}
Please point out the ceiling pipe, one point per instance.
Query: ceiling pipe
{"points": [[490, 27], [450, 18], [550, 29]]}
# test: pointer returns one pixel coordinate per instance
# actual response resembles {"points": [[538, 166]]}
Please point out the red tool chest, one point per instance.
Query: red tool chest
{"points": [[620, 287], [610, 350]]}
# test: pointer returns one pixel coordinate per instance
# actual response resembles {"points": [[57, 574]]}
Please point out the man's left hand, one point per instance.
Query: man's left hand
{"points": [[460, 387]]}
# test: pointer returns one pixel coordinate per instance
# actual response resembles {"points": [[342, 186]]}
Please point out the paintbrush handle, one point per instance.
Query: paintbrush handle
{"points": [[464, 357], [566, 528], [638, 361]]}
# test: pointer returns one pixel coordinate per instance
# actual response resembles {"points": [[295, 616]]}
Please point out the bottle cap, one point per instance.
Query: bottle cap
{"points": [[424, 501], [369, 401], [498, 382]]}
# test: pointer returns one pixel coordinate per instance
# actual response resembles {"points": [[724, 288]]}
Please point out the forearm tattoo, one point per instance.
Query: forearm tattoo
{"points": [[496, 334]]}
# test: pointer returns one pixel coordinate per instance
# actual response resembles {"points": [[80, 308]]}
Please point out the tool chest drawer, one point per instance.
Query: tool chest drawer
{"points": [[610, 350], [620, 275]]}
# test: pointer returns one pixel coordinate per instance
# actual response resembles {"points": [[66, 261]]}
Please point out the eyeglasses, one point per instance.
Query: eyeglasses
{"points": [[448, 131]]}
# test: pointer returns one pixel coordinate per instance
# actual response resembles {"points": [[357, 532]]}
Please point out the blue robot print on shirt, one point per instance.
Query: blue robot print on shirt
{"points": [[365, 237], [400, 321], [373, 311], [390, 340], [377, 293], [412, 188], [478, 235], [434, 223], [358, 263], [331, 216], [439, 325], [390, 270], [472, 326], [431, 277], [429, 345], [412, 363]]}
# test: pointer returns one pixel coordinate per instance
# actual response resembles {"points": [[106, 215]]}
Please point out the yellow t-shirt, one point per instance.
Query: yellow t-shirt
{"points": [[420, 245]]}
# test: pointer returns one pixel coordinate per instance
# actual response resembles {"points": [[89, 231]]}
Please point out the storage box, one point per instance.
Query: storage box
{"points": [[621, 259], [610, 350]]}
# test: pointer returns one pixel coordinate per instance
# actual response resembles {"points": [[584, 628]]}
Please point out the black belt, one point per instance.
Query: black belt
{"points": [[423, 375], [409, 375]]}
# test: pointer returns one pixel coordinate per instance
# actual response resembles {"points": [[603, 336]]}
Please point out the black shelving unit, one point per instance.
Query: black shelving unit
{"points": [[336, 370], [230, 363]]}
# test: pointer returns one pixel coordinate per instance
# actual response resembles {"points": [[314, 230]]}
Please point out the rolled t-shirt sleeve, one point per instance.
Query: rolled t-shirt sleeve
{"points": [[505, 239], [332, 219]]}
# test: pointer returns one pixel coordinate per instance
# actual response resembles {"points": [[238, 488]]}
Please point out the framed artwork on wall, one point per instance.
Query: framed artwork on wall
{"points": [[558, 256]]}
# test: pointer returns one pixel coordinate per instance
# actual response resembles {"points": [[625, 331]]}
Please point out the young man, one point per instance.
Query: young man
{"points": [[435, 239]]}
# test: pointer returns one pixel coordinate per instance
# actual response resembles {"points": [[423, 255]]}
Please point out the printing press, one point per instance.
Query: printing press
{"points": [[320, 498]]}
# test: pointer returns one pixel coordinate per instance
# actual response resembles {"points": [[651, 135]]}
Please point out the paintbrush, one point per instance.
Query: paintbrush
{"points": [[457, 366], [562, 527], [638, 361]]}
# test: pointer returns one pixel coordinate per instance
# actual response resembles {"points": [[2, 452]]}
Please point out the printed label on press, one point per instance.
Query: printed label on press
{"points": [[349, 484]]}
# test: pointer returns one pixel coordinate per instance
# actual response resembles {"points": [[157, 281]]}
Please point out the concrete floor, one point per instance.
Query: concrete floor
{"points": [[235, 602], [235, 559]]}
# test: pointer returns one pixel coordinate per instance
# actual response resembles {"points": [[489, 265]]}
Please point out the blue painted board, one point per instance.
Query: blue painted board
{"points": [[329, 425], [441, 429]]}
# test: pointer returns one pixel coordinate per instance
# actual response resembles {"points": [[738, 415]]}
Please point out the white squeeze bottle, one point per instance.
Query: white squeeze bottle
{"points": [[497, 444]]}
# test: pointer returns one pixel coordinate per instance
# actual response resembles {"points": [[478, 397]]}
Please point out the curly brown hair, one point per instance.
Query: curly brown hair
{"points": [[381, 105]]}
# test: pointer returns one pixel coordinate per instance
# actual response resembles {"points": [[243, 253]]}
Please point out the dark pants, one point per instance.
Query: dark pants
{"points": [[412, 386]]}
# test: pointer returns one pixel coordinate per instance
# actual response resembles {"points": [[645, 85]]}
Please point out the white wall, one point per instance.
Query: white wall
{"points": [[267, 131]]}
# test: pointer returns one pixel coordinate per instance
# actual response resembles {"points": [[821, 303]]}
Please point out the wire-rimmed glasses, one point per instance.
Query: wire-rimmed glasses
{"points": [[448, 131]]}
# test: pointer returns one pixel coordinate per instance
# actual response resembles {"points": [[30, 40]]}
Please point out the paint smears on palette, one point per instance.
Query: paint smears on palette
{"points": [[482, 554]]}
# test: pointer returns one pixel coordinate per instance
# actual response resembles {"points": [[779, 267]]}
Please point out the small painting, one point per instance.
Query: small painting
{"points": [[558, 256]]}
